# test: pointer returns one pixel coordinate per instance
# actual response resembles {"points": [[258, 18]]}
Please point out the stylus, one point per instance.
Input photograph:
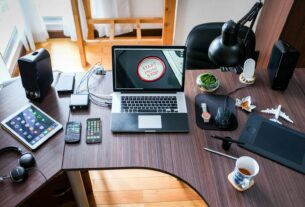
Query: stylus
{"points": [[219, 153], [227, 139]]}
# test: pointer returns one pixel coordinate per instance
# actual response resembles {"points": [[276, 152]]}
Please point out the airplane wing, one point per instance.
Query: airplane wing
{"points": [[284, 116], [269, 111], [276, 121]]}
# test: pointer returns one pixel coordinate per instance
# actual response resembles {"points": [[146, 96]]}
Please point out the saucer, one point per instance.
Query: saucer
{"points": [[230, 178]]}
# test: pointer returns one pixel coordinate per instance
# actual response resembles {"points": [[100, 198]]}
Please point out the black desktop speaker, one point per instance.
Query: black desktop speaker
{"points": [[36, 74], [281, 65]]}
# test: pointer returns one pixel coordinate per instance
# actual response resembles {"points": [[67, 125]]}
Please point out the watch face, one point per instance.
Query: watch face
{"points": [[151, 69]]}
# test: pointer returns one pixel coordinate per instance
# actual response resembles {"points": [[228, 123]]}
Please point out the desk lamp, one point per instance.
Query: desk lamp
{"points": [[228, 50]]}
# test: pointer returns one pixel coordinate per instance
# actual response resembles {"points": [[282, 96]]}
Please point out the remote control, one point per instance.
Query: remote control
{"points": [[73, 132], [94, 131]]}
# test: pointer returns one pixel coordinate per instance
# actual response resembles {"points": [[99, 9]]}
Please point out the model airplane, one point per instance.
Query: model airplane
{"points": [[277, 113]]}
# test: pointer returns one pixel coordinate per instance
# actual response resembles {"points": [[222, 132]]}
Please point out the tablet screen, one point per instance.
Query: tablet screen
{"points": [[31, 125]]}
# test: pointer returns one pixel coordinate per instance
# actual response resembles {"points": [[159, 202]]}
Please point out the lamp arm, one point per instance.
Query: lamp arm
{"points": [[250, 28], [252, 14]]}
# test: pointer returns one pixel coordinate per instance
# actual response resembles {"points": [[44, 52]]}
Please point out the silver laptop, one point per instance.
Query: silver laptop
{"points": [[148, 85]]}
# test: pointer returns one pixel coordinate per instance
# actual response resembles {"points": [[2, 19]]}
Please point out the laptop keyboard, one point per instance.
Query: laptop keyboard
{"points": [[149, 104]]}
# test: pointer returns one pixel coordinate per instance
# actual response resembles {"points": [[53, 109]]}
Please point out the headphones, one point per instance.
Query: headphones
{"points": [[26, 161]]}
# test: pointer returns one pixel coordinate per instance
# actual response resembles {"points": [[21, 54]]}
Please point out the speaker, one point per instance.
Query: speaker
{"points": [[36, 74], [281, 65]]}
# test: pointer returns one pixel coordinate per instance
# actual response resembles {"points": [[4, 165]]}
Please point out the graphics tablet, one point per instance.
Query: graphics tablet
{"points": [[31, 126], [274, 141]]}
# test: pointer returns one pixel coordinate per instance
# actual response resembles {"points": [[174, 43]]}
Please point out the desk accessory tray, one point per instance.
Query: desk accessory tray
{"points": [[275, 142], [213, 102]]}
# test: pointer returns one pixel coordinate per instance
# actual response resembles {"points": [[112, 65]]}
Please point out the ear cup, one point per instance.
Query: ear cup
{"points": [[18, 174], [27, 160]]}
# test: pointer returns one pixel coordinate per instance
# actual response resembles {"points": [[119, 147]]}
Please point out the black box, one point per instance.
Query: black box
{"points": [[281, 65], [36, 73]]}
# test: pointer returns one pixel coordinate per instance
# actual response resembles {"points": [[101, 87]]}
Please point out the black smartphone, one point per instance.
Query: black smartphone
{"points": [[94, 131], [73, 132]]}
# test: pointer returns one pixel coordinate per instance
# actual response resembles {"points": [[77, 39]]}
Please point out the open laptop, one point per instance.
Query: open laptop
{"points": [[148, 85]]}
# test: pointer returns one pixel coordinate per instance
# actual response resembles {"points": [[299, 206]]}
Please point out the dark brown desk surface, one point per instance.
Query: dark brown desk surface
{"points": [[48, 156], [182, 154]]}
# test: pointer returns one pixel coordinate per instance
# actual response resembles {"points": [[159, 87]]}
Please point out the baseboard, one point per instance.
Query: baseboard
{"points": [[56, 34]]}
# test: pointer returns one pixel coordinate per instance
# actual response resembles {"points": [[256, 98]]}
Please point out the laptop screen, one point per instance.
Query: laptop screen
{"points": [[148, 68]]}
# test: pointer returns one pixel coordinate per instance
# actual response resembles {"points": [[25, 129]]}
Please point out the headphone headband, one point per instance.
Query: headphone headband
{"points": [[26, 161], [11, 148]]}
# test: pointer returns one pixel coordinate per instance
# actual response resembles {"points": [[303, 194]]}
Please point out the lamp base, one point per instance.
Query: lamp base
{"points": [[235, 69], [242, 79]]}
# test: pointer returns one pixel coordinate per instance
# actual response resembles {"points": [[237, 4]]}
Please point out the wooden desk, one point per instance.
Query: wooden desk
{"points": [[182, 155], [48, 156]]}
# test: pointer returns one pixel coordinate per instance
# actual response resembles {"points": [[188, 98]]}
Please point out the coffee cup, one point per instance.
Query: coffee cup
{"points": [[246, 168]]}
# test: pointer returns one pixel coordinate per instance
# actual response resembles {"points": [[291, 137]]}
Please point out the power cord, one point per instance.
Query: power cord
{"points": [[236, 89], [58, 76], [99, 100], [43, 175]]}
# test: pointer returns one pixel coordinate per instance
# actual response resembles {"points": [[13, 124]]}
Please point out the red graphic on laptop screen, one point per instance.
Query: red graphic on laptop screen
{"points": [[151, 69]]}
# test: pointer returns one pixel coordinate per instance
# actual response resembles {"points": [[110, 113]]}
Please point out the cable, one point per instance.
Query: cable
{"points": [[84, 78], [58, 76], [236, 89], [97, 99], [36, 168]]}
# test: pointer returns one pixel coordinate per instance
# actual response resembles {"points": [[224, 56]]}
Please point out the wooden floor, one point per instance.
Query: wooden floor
{"points": [[122, 188], [65, 55], [140, 188]]}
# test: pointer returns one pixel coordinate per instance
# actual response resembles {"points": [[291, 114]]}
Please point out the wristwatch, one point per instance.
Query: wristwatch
{"points": [[206, 116]]}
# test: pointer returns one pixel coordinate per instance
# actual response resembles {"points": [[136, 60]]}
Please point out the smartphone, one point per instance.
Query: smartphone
{"points": [[73, 132], [94, 131]]}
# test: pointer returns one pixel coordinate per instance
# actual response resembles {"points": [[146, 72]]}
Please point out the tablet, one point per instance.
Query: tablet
{"points": [[274, 141], [31, 126]]}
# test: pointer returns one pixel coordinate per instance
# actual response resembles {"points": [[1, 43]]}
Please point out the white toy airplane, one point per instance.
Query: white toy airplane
{"points": [[277, 113]]}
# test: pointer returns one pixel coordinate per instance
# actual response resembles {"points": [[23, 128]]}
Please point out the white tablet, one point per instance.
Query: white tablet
{"points": [[31, 126]]}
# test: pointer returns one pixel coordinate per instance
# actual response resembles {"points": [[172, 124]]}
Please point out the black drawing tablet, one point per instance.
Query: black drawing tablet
{"points": [[276, 142]]}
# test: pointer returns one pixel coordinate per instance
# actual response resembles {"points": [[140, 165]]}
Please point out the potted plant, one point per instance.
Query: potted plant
{"points": [[207, 82]]}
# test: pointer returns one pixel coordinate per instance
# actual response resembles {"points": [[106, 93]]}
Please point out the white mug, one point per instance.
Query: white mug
{"points": [[246, 168]]}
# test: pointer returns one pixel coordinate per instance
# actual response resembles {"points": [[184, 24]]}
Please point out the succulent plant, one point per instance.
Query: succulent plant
{"points": [[207, 81]]}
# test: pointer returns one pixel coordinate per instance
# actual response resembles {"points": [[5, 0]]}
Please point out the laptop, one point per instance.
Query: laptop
{"points": [[148, 85]]}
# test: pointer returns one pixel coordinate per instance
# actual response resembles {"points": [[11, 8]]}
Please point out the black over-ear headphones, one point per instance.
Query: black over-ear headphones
{"points": [[26, 161]]}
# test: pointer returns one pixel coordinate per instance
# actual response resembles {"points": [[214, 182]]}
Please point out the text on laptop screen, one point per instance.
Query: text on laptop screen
{"points": [[148, 68]]}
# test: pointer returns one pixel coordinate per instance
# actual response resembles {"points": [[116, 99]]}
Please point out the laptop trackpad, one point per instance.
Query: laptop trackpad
{"points": [[149, 122]]}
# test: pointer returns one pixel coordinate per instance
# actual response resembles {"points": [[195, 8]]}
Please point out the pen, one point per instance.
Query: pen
{"points": [[228, 140], [219, 153]]}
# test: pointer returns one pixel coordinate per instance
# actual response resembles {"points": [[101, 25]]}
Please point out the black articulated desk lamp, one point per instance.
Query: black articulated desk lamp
{"points": [[228, 49]]}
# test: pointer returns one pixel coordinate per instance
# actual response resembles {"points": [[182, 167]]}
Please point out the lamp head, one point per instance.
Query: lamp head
{"points": [[227, 49]]}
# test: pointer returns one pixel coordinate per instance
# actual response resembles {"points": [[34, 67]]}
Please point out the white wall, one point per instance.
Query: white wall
{"points": [[193, 12], [52, 7], [147, 8], [189, 12]]}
